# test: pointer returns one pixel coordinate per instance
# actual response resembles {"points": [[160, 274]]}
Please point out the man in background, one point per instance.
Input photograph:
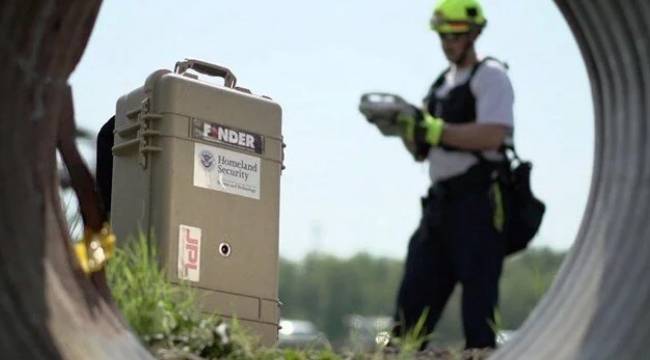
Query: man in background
{"points": [[466, 119]]}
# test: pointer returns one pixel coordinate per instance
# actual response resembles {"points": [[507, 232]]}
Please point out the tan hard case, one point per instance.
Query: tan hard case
{"points": [[158, 131]]}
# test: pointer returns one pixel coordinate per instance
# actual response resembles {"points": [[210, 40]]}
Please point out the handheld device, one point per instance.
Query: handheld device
{"points": [[382, 109]]}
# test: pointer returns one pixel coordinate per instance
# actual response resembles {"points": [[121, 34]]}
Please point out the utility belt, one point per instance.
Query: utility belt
{"points": [[481, 178], [477, 177], [523, 210]]}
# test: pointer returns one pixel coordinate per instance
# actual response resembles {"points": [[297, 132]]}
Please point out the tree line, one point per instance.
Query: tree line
{"points": [[325, 290]]}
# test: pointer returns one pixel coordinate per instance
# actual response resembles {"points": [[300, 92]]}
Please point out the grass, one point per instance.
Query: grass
{"points": [[166, 319], [164, 315], [169, 324]]}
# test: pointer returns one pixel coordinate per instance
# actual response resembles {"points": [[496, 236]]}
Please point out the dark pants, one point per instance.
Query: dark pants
{"points": [[456, 241]]}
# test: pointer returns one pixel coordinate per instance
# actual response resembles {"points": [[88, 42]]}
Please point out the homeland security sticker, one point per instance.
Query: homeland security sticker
{"points": [[227, 171], [221, 134]]}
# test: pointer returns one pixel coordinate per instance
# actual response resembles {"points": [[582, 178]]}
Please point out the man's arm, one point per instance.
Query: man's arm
{"points": [[494, 120], [469, 136], [494, 112], [474, 136]]}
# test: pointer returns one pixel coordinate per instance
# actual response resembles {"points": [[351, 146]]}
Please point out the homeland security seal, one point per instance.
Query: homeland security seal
{"points": [[207, 159]]}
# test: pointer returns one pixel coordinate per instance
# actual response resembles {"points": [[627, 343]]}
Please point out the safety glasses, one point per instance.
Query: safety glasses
{"points": [[453, 36]]}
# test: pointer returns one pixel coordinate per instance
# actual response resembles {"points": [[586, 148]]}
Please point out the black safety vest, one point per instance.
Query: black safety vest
{"points": [[459, 105]]}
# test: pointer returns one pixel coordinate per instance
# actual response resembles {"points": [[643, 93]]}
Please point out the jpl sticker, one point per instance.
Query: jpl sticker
{"points": [[189, 253]]}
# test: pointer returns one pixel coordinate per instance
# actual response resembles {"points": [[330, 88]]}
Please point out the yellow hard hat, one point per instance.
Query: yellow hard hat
{"points": [[457, 16]]}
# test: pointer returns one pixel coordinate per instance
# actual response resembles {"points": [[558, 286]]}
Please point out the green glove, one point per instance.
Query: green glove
{"points": [[428, 129], [433, 129], [407, 125]]}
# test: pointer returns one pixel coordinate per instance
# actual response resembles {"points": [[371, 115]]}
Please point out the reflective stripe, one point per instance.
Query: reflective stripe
{"points": [[498, 218], [460, 27]]}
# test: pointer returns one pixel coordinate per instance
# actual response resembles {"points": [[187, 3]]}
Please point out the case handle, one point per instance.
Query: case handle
{"points": [[208, 69]]}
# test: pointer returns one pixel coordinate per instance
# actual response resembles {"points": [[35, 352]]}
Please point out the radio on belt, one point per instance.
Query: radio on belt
{"points": [[197, 167]]}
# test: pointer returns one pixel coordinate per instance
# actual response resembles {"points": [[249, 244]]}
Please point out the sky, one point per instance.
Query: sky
{"points": [[346, 189]]}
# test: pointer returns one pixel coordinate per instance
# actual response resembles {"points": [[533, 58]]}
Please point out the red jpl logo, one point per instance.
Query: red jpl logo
{"points": [[191, 251]]}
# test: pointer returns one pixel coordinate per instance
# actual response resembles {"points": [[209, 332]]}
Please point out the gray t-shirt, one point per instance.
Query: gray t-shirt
{"points": [[494, 105]]}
